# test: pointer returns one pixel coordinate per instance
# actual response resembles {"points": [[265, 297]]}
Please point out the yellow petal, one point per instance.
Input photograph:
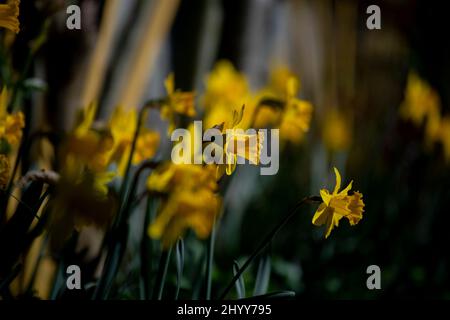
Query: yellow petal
{"points": [[169, 83], [338, 181], [320, 217], [326, 196]]}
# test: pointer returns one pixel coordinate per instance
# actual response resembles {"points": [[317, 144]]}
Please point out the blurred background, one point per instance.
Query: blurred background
{"points": [[355, 78]]}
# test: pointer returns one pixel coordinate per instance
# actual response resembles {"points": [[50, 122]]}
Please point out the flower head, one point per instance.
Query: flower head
{"points": [[225, 86], [9, 14], [123, 125], [190, 201], [239, 143], [338, 205], [297, 115], [178, 102], [420, 100], [11, 124]]}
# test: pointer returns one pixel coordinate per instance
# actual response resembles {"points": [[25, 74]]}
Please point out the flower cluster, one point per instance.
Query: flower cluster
{"points": [[422, 106]]}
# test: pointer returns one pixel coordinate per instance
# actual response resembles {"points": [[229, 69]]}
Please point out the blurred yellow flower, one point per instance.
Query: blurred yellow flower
{"points": [[177, 103], [225, 86], [278, 79], [91, 147], [336, 132], [297, 115], [420, 100], [9, 15], [444, 134], [11, 124], [81, 199], [337, 205], [191, 201], [4, 171], [123, 125], [267, 117], [146, 146]]}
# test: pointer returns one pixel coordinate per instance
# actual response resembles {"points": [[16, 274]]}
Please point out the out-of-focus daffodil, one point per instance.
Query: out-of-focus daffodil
{"points": [[444, 135], [297, 114], [422, 107], [123, 125], [177, 102], [336, 132], [81, 199], [11, 124], [91, 147], [191, 201], [225, 86], [4, 171], [338, 205], [9, 15], [420, 100]]}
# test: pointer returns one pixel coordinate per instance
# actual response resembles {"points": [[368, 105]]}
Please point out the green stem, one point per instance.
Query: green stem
{"points": [[119, 232], [209, 260], [162, 272], [149, 105], [267, 239]]}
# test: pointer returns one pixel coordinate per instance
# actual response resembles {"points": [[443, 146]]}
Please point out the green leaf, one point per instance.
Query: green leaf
{"points": [[274, 295], [240, 285], [263, 275], [179, 258]]}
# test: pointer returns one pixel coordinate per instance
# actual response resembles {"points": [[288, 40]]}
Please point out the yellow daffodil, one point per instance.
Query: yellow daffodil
{"points": [[297, 115], [444, 135], [178, 102], [336, 132], [4, 171], [123, 126], [191, 201], [90, 147], [225, 86], [238, 143], [11, 124], [279, 76], [338, 205], [420, 100], [9, 15], [81, 199]]}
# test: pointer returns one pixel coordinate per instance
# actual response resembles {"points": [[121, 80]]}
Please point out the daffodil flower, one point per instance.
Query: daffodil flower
{"points": [[225, 86], [297, 115], [239, 144], [9, 14], [177, 102], [11, 124], [337, 205], [191, 201]]}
